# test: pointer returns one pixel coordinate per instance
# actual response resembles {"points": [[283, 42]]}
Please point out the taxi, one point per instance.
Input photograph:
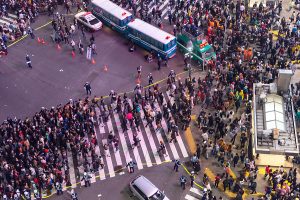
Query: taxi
{"points": [[89, 20]]}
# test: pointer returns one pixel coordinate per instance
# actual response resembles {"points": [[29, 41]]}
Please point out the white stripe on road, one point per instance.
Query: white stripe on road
{"points": [[71, 170], [13, 16], [143, 145], [164, 4], [4, 22], [196, 191], [165, 127], [101, 171], [109, 161], [189, 197], [117, 153], [179, 139], [159, 137], [9, 19], [122, 139], [151, 139]]}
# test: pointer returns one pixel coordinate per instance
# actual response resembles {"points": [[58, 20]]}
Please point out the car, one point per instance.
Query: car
{"points": [[143, 189], [89, 20]]}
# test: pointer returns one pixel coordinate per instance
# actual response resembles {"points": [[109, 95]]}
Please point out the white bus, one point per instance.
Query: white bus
{"points": [[151, 38], [111, 14]]}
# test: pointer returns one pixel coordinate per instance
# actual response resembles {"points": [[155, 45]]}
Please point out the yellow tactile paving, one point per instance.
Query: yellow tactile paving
{"points": [[190, 140]]}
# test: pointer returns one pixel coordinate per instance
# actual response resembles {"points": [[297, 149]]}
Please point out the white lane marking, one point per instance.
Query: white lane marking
{"points": [[179, 139], [144, 147]]}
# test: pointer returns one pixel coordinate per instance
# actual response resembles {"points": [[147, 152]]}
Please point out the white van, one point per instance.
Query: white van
{"points": [[143, 189]]}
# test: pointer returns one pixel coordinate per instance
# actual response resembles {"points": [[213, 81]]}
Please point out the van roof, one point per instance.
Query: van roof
{"points": [[145, 186], [112, 8], [151, 31]]}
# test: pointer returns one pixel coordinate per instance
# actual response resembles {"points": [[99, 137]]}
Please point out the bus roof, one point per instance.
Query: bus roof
{"points": [[151, 31], [112, 8]]}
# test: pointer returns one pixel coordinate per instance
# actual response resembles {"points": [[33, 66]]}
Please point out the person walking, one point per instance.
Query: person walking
{"points": [[74, 195], [28, 61], [162, 149], [182, 180], [86, 178], [192, 177], [139, 71], [150, 79], [88, 88], [30, 32], [93, 46], [177, 163], [136, 141], [235, 159], [131, 165], [58, 187], [159, 63], [217, 180]]}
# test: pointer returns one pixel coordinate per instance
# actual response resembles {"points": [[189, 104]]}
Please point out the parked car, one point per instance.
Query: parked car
{"points": [[143, 189], [89, 21]]}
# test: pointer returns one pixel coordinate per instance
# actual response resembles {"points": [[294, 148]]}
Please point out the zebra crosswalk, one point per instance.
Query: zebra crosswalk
{"points": [[194, 194], [164, 6], [115, 160], [10, 18]]}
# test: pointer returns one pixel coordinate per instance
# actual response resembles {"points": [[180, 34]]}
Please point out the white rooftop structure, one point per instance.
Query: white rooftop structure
{"points": [[151, 31], [274, 130]]}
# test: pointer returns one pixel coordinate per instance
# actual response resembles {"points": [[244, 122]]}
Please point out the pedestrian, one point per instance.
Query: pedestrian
{"points": [[162, 148], [217, 180], [74, 195], [139, 71], [86, 178], [182, 180], [80, 47], [28, 61], [93, 46], [58, 187], [192, 177], [198, 151], [150, 79], [88, 88], [177, 163], [30, 32], [131, 165], [67, 6], [36, 195], [27, 194], [159, 63], [136, 141], [235, 159], [73, 44]]}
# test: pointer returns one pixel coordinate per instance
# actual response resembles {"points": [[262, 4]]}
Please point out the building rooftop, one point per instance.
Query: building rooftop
{"points": [[274, 121]]}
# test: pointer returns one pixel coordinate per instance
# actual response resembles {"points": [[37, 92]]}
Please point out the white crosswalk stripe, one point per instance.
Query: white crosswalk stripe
{"points": [[143, 146], [115, 161], [193, 194], [6, 20]]}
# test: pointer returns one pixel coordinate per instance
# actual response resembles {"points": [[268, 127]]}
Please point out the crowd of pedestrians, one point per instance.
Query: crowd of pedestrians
{"points": [[34, 151]]}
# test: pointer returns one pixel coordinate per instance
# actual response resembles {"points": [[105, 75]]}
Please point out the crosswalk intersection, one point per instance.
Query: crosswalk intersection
{"points": [[114, 161], [164, 6]]}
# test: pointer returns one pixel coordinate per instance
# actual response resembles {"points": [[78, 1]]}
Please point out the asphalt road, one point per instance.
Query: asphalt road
{"points": [[57, 77], [161, 176]]}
